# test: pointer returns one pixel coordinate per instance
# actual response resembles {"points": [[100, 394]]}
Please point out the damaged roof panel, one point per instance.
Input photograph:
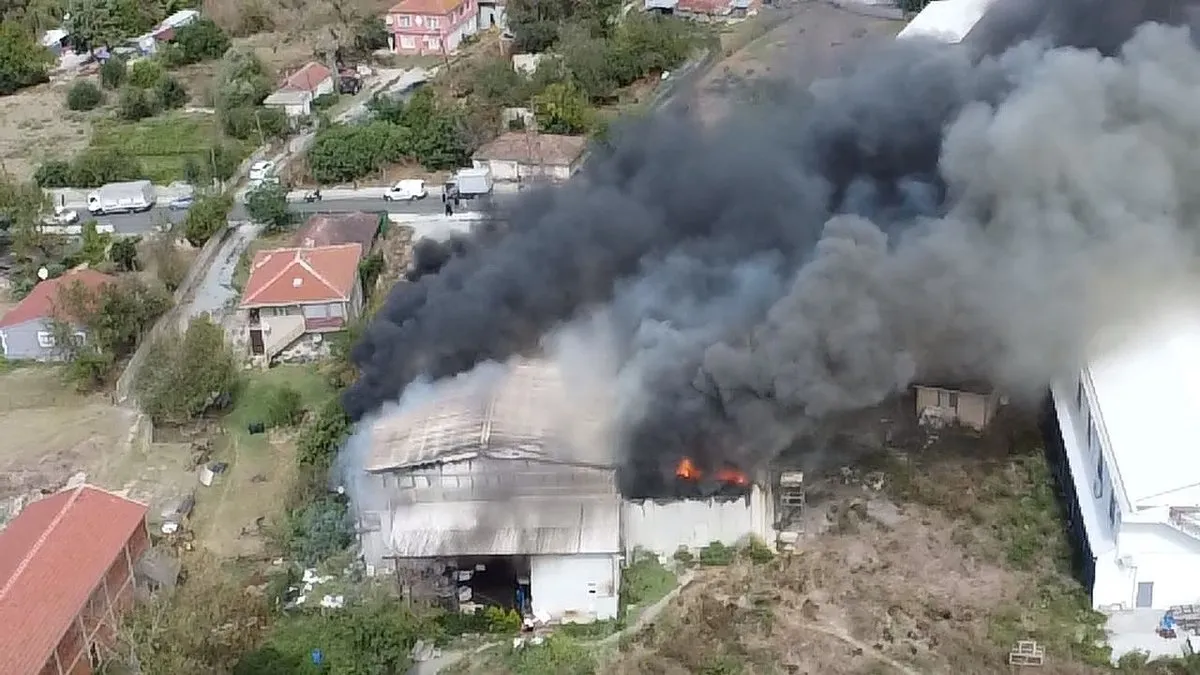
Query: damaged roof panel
{"points": [[519, 526]]}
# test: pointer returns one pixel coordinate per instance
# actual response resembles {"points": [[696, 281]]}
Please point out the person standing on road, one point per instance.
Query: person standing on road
{"points": [[449, 209]]}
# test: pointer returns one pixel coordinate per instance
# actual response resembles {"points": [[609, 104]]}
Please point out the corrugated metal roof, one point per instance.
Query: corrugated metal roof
{"points": [[530, 408], [518, 526], [946, 20]]}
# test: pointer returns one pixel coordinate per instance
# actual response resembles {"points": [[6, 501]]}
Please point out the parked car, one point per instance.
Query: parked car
{"points": [[61, 216], [408, 190], [262, 172], [181, 203]]}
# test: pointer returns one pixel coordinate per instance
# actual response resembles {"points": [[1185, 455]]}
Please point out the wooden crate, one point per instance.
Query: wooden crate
{"points": [[1027, 653]]}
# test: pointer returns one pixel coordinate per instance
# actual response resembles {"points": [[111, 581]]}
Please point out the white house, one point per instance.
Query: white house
{"points": [[518, 156], [301, 88], [1129, 469]]}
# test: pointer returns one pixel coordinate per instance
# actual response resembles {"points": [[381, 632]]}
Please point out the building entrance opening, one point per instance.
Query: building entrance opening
{"points": [[492, 581]]}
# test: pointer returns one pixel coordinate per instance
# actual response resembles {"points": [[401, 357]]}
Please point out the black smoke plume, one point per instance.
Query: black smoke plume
{"points": [[937, 211]]}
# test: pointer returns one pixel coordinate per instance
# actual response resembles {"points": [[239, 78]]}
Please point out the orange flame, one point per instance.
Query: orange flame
{"points": [[732, 477], [687, 470]]}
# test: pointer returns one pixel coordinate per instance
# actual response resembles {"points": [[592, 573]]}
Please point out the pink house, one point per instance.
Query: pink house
{"points": [[431, 26]]}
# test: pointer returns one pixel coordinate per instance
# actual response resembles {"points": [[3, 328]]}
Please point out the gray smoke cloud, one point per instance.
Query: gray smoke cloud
{"points": [[931, 214]]}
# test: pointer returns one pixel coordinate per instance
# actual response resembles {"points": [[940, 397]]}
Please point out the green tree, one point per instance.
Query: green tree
{"points": [[83, 96], [168, 262], [23, 62], [242, 80], [124, 254], [320, 530], [594, 63], [94, 244], [96, 166], [113, 73], [267, 204], [254, 123], [185, 376], [170, 93], [54, 173], [100, 23], [116, 315], [284, 406], [146, 73], [562, 109], [206, 218], [137, 104], [322, 434], [371, 34], [200, 40], [497, 83]]}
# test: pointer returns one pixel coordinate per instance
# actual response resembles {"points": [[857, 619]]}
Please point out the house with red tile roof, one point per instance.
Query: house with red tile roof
{"points": [[26, 331], [66, 577], [292, 292], [430, 26], [301, 88]]}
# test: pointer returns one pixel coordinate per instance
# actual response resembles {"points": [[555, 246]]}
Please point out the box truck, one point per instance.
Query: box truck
{"points": [[129, 197], [468, 183]]}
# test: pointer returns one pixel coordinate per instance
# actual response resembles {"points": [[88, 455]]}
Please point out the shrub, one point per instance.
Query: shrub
{"points": [[55, 173], [83, 96], [96, 166], [247, 122], [113, 73], [201, 40], [146, 73], [558, 654], [758, 552], [283, 406], [137, 104], [717, 554], [322, 434], [206, 217], [321, 529], [170, 93]]}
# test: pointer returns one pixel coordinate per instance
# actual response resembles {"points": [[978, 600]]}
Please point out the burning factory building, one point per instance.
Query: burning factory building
{"points": [[505, 481]]}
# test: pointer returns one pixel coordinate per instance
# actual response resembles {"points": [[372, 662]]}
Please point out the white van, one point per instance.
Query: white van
{"points": [[408, 190]]}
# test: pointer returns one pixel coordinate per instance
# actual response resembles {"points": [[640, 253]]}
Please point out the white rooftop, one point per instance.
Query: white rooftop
{"points": [[946, 20], [1148, 395]]}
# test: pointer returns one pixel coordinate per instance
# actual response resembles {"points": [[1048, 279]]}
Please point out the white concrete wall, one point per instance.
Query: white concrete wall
{"points": [[664, 528], [575, 588], [1149, 553]]}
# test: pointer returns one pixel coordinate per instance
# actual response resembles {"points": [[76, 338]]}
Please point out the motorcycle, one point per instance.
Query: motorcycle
{"points": [[314, 196]]}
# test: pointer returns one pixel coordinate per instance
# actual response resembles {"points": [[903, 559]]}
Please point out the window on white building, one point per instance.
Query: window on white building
{"points": [[1093, 438], [404, 21], [1079, 393], [1112, 511], [948, 399], [1098, 484], [432, 22], [45, 339], [407, 42]]}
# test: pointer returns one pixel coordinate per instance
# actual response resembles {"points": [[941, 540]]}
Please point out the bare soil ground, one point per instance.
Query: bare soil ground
{"points": [[816, 40], [35, 124], [937, 563], [52, 433]]}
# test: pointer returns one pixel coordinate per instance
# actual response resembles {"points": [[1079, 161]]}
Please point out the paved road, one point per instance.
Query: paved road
{"points": [[141, 223]]}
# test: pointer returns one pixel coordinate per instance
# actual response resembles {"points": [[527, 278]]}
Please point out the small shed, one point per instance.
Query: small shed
{"points": [[971, 404], [516, 156], [293, 103]]}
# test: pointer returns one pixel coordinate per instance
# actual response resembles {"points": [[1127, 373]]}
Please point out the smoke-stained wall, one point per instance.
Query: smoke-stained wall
{"points": [[932, 213]]}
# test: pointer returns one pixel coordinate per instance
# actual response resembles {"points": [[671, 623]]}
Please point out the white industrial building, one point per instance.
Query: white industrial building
{"points": [[946, 20], [515, 473], [1127, 424]]}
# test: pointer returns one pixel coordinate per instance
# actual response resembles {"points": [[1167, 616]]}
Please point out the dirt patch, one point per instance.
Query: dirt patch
{"points": [[815, 40], [937, 562], [52, 433], [37, 126]]}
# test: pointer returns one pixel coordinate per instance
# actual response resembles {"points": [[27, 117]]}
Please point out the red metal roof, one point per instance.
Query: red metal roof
{"points": [[52, 556], [289, 276], [439, 7], [307, 78], [39, 304]]}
